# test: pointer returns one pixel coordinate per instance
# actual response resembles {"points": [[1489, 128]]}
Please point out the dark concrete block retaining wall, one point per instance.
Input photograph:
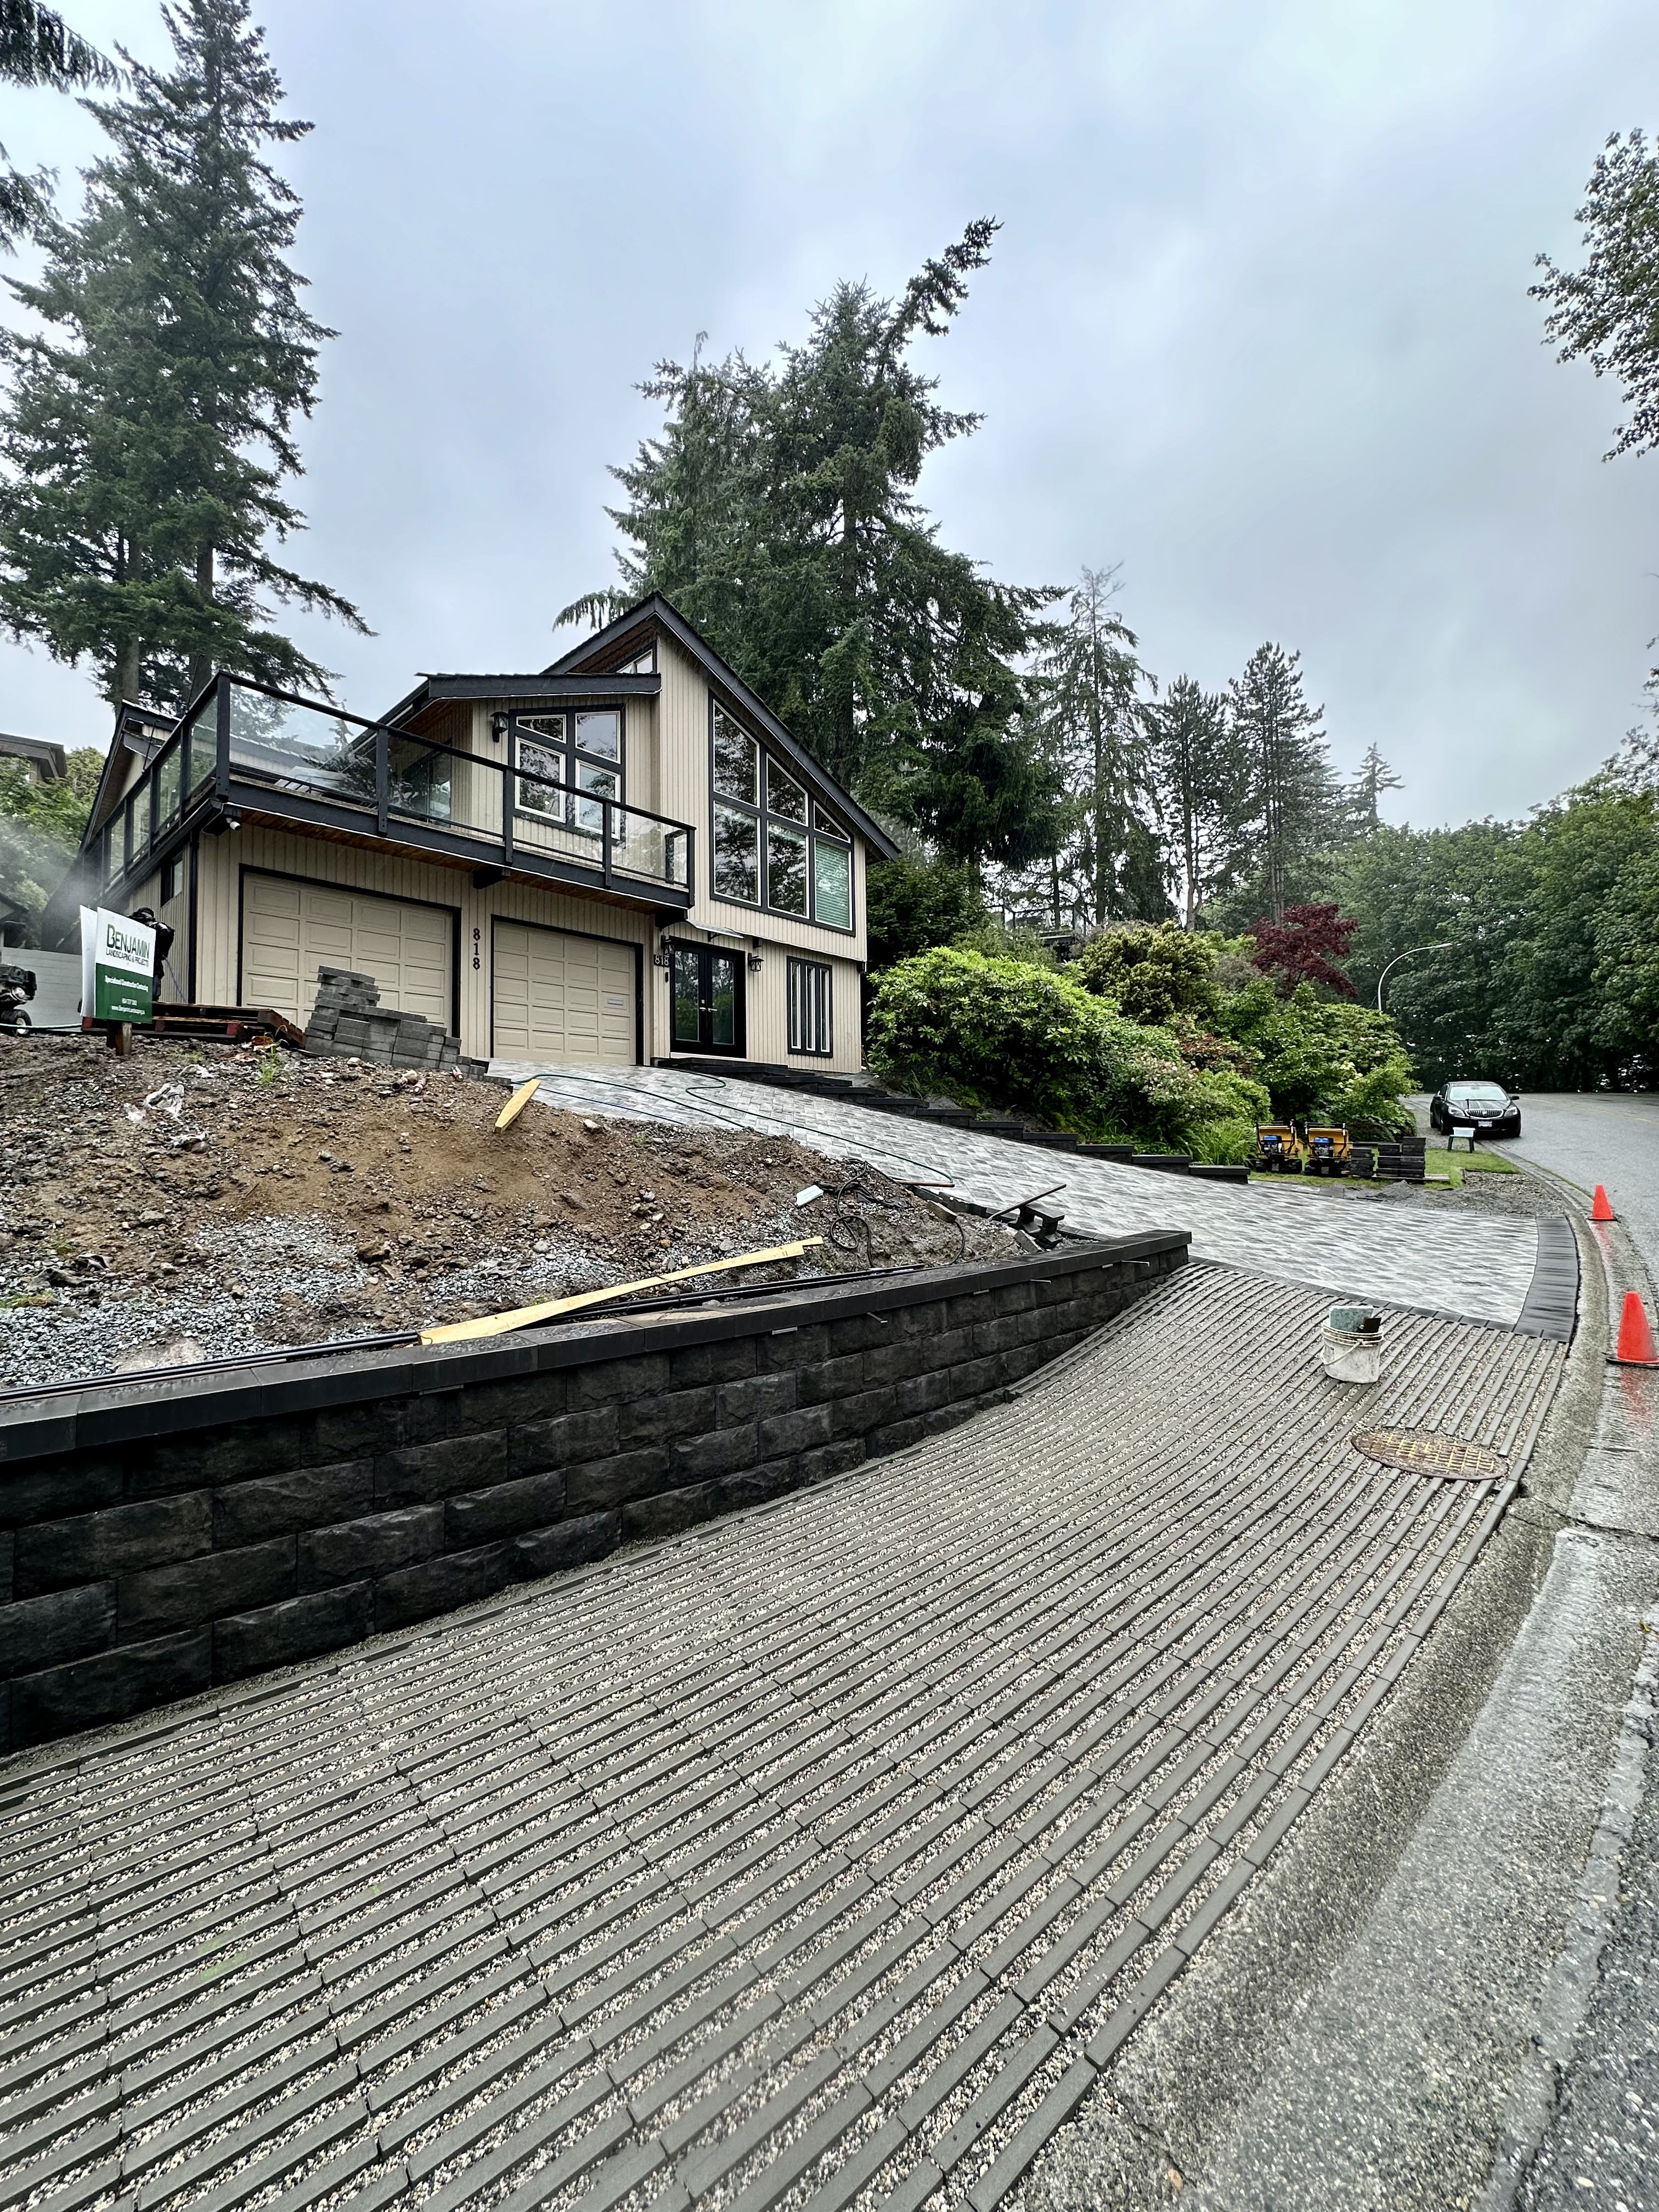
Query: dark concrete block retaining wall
{"points": [[156, 1539]]}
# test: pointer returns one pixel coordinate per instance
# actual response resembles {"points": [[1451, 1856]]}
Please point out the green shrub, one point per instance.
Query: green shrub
{"points": [[1322, 1059], [1155, 974], [998, 1033]]}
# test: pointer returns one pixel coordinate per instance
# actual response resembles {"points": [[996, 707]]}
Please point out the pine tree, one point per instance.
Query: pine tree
{"points": [[1291, 786], [39, 47], [1202, 771], [1090, 721], [778, 510], [150, 425], [1371, 779]]}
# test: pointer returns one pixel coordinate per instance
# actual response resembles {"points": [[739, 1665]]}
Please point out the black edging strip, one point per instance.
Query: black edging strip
{"points": [[106, 1416], [1551, 1306]]}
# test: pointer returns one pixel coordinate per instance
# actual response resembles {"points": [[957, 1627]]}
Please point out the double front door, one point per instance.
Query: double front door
{"points": [[708, 984]]}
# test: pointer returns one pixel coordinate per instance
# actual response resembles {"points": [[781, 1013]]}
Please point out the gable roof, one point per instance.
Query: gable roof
{"points": [[51, 760], [141, 730], [616, 641]]}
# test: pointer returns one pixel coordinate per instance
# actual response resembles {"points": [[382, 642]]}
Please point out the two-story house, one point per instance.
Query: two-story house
{"points": [[624, 857]]}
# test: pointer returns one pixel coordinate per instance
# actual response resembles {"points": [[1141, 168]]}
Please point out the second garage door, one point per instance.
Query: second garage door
{"points": [[291, 929], [563, 998]]}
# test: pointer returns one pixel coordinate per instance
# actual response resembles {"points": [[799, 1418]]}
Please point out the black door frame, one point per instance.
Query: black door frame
{"points": [[705, 955]]}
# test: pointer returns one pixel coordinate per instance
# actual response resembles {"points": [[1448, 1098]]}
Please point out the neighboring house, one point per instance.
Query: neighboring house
{"points": [[49, 762], [622, 857]]}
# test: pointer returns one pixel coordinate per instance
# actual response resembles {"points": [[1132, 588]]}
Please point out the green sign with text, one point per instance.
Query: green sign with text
{"points": [[118, 959]]}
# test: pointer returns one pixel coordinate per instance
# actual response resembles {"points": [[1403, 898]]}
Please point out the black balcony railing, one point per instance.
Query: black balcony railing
{"points": [[242, 746]]}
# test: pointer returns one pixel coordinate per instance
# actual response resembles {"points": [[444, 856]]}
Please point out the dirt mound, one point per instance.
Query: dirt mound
{"points": [[255, 1198]]}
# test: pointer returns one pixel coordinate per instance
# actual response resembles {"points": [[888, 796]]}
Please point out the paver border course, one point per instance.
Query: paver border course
{"points": [[159, 1539]]}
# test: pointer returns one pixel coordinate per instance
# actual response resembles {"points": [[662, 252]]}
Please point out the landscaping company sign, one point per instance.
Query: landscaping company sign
{"points": [[118, 959]]}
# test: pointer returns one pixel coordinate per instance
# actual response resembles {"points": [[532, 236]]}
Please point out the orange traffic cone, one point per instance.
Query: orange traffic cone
{"points": [[1599, 1209], [1636, 1344]]}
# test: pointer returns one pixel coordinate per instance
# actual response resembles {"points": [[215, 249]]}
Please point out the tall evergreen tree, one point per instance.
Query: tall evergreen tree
{"points": [[1087, 712], [151, 425], [1291, 779], [778, 510], [1371, 779], [39, 47], [1202, 771]]}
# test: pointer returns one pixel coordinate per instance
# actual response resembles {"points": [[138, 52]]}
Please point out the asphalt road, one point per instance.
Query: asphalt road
{"points": [[1602, 2149], [1611, 1139]]}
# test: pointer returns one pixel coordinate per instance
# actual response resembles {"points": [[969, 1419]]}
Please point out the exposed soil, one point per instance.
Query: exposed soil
{"points": [[239, 1199]]}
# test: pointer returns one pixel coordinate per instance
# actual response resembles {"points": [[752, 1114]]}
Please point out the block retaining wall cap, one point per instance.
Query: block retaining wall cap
{"points": [[109, 1415]]}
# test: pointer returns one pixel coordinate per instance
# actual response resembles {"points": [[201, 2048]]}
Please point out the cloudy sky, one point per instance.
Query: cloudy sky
{"points": [[1256, 329]]}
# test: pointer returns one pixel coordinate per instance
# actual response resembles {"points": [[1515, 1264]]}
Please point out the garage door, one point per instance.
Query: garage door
{"points": [[289, 930], [559, 998]]}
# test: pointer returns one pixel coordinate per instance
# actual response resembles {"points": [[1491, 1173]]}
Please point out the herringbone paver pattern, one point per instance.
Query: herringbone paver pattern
{"points": [[819, 1859]]}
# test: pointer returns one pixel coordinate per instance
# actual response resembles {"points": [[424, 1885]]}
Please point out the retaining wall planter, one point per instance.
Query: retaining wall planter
{"points": [[157, 1538]]}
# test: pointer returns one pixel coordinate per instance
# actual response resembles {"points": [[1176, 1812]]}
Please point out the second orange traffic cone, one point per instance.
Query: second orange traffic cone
{"points": [[1636, 1344], [1600, 1210]]}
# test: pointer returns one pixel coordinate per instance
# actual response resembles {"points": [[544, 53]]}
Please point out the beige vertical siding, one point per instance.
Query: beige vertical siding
{"points": [[683, 736], [393, 875]]}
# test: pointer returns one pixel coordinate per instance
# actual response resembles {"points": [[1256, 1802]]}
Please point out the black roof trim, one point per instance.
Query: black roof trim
{"points": [[152, 718], [659, 610], [541, 687]]}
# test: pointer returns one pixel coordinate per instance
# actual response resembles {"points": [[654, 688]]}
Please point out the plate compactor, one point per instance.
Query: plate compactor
{"points": [[1318, 1148]]}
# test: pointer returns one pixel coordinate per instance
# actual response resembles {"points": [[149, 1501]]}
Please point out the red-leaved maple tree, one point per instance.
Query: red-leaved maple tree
{"points": [[1305, 947]]}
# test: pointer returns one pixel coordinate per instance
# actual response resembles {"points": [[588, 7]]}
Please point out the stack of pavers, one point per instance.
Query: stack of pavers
{"points": [[1402, 1162], [349, 1023]]}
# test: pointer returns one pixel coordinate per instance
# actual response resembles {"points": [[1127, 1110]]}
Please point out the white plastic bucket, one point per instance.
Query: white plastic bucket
{"points": [[1352, 1355]]}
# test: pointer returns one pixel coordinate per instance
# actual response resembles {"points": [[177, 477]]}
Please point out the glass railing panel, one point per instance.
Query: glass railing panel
{"points": [[167, 773], [642, 846], [421, 782], [300, 748], [201, 741]]}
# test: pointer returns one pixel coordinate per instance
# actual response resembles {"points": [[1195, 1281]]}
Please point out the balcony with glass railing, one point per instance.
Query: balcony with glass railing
{"points": [[244, 749]]}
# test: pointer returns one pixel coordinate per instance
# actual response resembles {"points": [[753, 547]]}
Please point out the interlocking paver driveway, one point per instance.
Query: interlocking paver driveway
{"points": [[821, 1856], [1479, 1267]]}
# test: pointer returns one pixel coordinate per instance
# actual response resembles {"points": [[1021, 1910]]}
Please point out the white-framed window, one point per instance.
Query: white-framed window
{"points": [[772, 847], [811, 988]]}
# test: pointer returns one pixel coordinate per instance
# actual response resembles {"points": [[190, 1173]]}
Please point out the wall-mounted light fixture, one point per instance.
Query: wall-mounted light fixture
{"points": [[755, 958], [498, 726]]}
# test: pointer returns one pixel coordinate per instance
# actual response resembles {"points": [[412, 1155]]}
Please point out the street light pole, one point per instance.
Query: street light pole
{"points": [[1444, 945]]}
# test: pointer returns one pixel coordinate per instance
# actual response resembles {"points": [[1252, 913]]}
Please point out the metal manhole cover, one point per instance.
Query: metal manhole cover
{"points": [[1424, 1451]]}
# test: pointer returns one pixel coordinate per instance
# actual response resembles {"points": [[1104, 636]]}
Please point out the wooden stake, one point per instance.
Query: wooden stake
{"points": [[464, 1332], [516, 1104]]}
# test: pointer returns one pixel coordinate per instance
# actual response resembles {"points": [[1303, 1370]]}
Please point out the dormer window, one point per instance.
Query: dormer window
{"points": [[774, 847]]}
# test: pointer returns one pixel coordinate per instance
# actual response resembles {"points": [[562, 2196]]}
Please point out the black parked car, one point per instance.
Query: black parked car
{"points": [[1485, 1107]]}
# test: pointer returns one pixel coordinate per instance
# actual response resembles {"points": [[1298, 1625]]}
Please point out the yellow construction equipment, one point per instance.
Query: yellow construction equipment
{"points": [[1277, 1151], [1324, 1149]]}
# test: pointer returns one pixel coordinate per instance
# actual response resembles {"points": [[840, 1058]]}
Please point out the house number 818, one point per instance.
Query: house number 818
{"points": [[477, 936]]}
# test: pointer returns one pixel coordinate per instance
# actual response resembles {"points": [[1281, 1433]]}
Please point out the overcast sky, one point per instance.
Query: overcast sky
{"points": [[1256, 328]]}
